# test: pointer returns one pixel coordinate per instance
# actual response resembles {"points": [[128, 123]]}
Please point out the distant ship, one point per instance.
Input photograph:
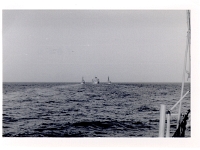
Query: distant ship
{"points": [[109, 82], [83, 81], [95, 80]]}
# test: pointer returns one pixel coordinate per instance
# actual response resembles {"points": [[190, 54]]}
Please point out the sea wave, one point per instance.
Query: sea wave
{"points": [[75, 110]]}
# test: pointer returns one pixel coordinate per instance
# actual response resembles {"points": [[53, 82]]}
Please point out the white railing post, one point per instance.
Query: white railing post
{"points": [[162, 120], [168, 124]]}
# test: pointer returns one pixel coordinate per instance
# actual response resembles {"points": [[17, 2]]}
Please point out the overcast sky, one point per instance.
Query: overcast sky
{"points": [[64, 45]]}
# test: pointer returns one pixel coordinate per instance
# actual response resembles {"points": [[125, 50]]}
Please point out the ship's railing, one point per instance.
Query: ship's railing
{"points": [[163, 115], [166, 115]]}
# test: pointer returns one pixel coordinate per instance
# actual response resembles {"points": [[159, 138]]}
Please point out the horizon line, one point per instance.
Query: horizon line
{"points": [[89, 82]]}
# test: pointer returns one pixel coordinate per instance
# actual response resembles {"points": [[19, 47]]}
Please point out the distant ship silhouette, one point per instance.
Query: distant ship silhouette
{"points": [[83, 81], [109, 82], [95, 80]]}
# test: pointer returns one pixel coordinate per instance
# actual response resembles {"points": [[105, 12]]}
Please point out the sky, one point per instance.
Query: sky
{"points": [[66, 45]]}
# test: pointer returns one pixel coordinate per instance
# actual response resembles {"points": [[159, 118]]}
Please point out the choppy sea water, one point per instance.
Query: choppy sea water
{"points": [[75, 110]]}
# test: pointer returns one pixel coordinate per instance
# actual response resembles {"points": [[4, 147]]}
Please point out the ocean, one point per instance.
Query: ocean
{"points": [[88, 110]]}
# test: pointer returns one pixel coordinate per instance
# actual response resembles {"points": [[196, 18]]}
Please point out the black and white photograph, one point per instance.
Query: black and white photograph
{"points": [[96, 73], [100, 74]]}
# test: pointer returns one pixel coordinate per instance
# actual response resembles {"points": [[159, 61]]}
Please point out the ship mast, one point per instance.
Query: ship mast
{"points": [[185, 64]]}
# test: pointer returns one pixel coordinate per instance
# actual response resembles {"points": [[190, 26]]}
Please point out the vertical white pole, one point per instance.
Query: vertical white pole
{"points": [[162, 120], [189, 43], [184, 68], [168, 124], [182, 88]]}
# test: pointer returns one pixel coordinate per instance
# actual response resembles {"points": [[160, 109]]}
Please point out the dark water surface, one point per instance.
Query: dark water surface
{"points": [[75, 110]]}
